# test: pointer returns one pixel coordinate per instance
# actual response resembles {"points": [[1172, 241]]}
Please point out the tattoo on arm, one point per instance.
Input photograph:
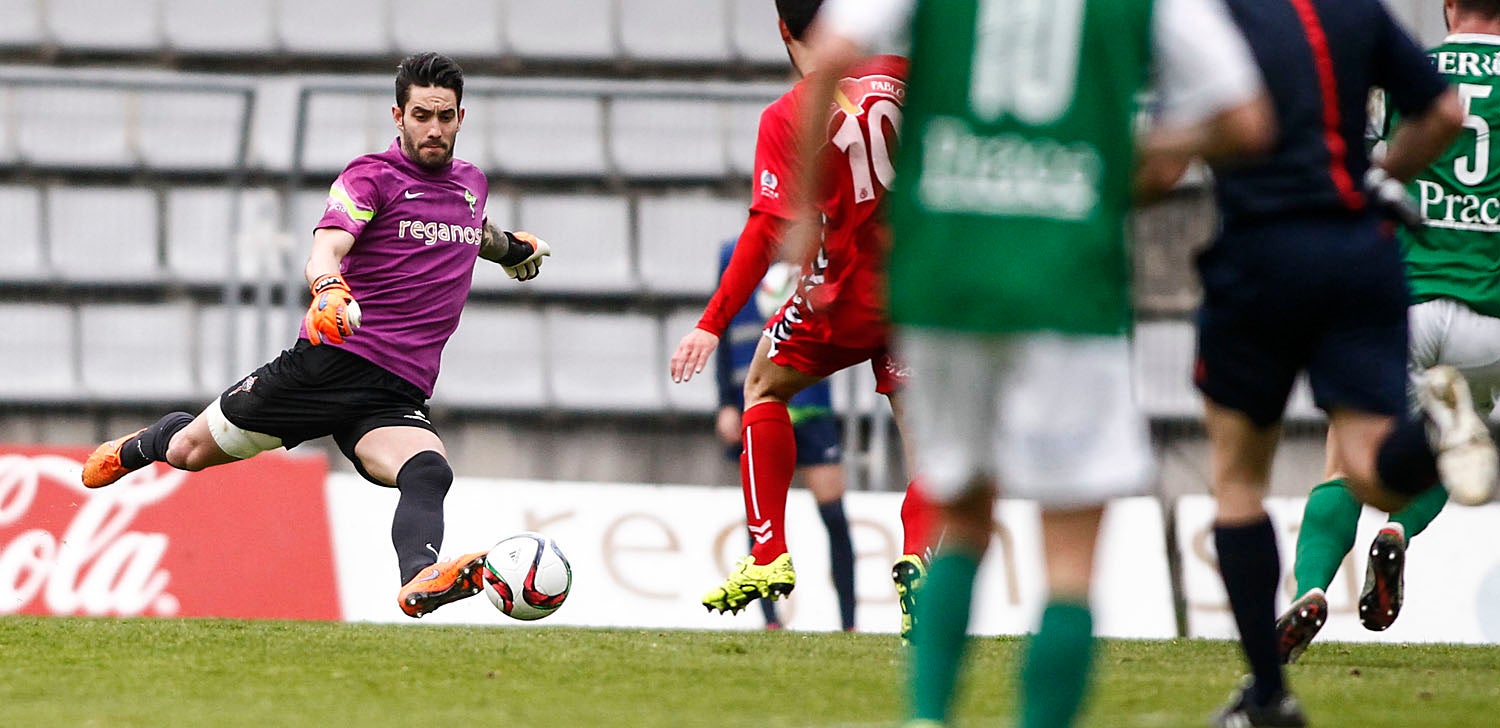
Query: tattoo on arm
{"points": [[499, 246]]}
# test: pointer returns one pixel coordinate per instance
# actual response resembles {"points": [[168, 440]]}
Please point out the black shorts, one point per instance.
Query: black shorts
{"points": [[311, 391], [1323, 295]]}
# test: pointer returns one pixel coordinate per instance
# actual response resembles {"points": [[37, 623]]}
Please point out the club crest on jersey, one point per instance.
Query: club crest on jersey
{"points": [[471, 199], [768, 184], [245, 385]]}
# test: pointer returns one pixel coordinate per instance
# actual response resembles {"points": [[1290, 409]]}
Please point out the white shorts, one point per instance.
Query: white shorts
{"points": [[1444, 331], [1051, 418]]}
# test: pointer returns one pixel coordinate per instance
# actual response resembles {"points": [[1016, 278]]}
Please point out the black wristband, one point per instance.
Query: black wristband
{"points": [[516, 250]]}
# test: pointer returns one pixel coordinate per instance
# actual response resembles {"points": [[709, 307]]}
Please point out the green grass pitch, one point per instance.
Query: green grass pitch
{"points": [[190, 672]]}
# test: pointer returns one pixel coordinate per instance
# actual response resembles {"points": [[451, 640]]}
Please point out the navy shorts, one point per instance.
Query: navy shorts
{"points": [[311, 391], [1326, 295], [817, 441]]}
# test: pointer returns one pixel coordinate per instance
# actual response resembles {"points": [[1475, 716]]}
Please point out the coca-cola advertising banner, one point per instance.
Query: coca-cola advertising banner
{"points": [[249, 539]]}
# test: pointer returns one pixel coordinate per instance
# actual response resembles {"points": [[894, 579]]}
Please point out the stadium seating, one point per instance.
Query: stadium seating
{"points": [[460, 28], [668, 137], [224, 27], [1163, 353], [39, 352], [740, 135], [111, 26], [541, 135], [753, 33], [191, 130], [103, 234], [70, 126], [126, 357], [593, 250], [675, 30], [7, 127], [225, 353], [23, 26], [496, 360], [338, 27], [679, 237], [25, 253], [204, 224], [342, 126], [576, 30], [604, 361]]}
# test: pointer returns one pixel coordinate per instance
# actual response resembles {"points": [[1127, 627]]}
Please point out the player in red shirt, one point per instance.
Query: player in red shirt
{"points": [[835, 319]]}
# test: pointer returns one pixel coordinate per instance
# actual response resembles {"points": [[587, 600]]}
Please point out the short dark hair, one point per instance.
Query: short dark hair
{"points": [[1487, 8], [428, 69], [797, 14]]}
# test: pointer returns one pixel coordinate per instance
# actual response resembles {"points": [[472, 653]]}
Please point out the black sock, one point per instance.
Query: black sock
{"points": [[767, 607], [151, 445], [417, 528], [840, 558], [1250, 566], [1405, 461]]}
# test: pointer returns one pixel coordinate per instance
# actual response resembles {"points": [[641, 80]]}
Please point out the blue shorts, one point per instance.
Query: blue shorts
{"points": [[817, 441], [1326, 295]]}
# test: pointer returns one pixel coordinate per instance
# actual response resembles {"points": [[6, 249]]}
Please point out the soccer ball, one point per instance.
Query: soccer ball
{"points": [[526, 576]]}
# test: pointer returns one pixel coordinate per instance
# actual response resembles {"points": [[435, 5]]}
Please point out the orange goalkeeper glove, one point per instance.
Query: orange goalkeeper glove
{"points": [[333, 313]]}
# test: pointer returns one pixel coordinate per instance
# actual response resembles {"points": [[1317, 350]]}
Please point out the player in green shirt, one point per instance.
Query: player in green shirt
{"points": [[1453, 267], [1009, 278]]}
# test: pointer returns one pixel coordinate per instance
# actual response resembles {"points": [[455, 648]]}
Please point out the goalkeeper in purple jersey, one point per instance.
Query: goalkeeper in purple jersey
{"points": [[391, 264]]}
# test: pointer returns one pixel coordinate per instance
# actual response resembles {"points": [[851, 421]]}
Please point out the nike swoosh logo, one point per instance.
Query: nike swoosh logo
{"points": [[413, 195]]}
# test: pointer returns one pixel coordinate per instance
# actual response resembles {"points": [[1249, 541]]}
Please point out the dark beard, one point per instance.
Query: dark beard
{"points": [[415, 155]]}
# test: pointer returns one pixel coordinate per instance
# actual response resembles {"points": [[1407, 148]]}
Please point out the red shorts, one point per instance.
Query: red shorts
{"points": [[811, 344]]}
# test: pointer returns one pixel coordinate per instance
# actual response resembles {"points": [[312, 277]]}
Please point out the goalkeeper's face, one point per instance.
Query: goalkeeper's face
{"points": [[429, 125]]}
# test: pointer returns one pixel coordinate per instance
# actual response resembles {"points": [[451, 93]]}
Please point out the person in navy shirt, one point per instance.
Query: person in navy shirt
{"points": [[1306, 276]]}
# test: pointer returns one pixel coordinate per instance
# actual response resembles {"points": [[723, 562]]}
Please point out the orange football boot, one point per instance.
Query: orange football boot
{"points": [[443, 582], [103, 466]]}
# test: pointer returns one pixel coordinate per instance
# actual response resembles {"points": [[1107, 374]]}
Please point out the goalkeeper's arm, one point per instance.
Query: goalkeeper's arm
{"points": [[519, 253]]}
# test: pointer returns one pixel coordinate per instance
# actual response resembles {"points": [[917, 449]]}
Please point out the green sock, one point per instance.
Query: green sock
{"points": [[940, 634], [1420, 512], [1329, 522], [1059, 658]]}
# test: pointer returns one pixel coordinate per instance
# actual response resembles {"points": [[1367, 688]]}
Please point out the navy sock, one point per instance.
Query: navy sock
{"points": [[1250, 566], [417, 527], [1405, 461], [151, 445], [840, 558]]}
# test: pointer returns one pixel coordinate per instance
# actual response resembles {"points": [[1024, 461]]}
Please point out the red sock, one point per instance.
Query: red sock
{"points": [[766, 475], [917, 516]]}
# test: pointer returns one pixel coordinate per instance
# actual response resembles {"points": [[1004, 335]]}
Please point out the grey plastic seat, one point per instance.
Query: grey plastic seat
{"points": [[495, 360], [605, 361], [349, 28], [220, 27], [679, 238], [573, 30], [38, 354], [104, 234], [590, 239], [23, 249], [124, 360], [675, 30]]}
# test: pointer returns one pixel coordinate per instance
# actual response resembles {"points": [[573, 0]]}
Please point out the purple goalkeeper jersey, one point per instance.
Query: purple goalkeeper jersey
{"points": [[416, 237]]}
